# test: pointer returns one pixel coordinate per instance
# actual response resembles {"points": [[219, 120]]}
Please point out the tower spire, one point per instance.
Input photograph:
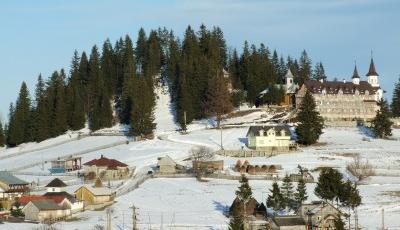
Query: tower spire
{"points": [[355, 72], [372, 70]]}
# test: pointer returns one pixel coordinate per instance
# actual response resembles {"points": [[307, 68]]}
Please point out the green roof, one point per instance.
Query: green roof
{"points": [[9, 179]]}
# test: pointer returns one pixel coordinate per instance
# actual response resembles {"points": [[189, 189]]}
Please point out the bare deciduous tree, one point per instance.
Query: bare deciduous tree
{"points": [[202, 153], [360, 169]]}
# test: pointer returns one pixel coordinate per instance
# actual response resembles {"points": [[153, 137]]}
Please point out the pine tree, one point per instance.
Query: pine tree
{"points": [[76, 108], [142, 115], [57, 104], [244, 192], [236, 222], [173, 66], [395, 106], [141, 50], [381, 124], [305, 67], [129, 74], [301, 192], [194, 67], [287, 192], [84, 81], [329, 184], [10, 139], [184, 104], [218, 98], [244, 65], [2, 136], [20, 119], [100, 115], [319, 72], [108, 69], [233, 69], [310, 123], [218, 36], [153, 56], [275, 199], [41, 112]]}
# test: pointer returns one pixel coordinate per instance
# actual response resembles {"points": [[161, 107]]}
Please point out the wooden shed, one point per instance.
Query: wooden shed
{"points": [[94, 195]]}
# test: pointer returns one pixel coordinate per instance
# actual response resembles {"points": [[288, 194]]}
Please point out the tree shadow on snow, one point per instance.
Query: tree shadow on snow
{"points": [[243, 141], [221, 207], [366, 131]]}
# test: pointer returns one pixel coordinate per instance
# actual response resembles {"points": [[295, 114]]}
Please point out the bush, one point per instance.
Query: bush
{"points": [[17, 212], [360, 169]]}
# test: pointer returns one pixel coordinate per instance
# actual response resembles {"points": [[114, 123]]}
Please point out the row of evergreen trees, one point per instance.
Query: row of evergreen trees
{"points": [[119, 79]]}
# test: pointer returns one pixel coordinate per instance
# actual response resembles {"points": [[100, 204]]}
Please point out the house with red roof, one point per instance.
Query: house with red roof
{"points": [[106, 169], [55, 192]]}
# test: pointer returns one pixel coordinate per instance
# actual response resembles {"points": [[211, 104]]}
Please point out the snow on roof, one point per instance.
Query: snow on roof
{"points": [[98, 191], [8, 178]]}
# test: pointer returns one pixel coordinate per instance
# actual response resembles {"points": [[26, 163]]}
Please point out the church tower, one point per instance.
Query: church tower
{"points": [[356, 77], [372, 75], [289, 78]]}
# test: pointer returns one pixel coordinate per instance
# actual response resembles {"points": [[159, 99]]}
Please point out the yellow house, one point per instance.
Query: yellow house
{"points": [[94, 195], [269, 137]]}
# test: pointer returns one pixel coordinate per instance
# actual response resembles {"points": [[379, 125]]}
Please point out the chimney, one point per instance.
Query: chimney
{"points": [[102, 156]]}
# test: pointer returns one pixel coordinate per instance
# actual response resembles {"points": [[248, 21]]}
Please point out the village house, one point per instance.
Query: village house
{"points": [[320, 214], [56, 192], [343, 100], [106, 169], [45, 211], [271, 138], [167, 165], [95, 195], [11, 188]]}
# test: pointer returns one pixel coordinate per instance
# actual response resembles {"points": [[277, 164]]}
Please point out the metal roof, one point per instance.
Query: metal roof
{"points": [[9, 179], [46, 205]]}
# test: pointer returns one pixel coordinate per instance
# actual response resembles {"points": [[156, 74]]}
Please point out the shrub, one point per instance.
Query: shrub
{"points": [[360, 169]]}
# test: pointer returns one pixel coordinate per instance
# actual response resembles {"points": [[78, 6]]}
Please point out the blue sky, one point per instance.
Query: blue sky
{"points": [[40, 36]]}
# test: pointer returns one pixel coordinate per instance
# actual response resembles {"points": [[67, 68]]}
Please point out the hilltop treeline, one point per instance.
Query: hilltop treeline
{"points": [[116, 84]]}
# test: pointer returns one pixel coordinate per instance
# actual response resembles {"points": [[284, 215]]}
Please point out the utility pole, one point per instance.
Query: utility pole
{"points": [[184, 120], [222, 147], [108, 211], [123, 220], [162, 222], [383, 219], [134, 218]]}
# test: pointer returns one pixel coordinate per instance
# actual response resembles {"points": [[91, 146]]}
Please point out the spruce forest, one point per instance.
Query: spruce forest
{"points": [[115, 84]]}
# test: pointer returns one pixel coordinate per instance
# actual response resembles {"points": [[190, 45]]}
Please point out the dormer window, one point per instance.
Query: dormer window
{"points": [[261, 133], [283, 133]]}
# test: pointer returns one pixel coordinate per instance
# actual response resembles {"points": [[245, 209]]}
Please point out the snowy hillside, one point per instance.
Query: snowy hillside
{"points": [[184, 203]]}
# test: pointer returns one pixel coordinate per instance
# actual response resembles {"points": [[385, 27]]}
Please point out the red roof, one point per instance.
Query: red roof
{"points": [[105, 162], [57, 199], [24, 199]]}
